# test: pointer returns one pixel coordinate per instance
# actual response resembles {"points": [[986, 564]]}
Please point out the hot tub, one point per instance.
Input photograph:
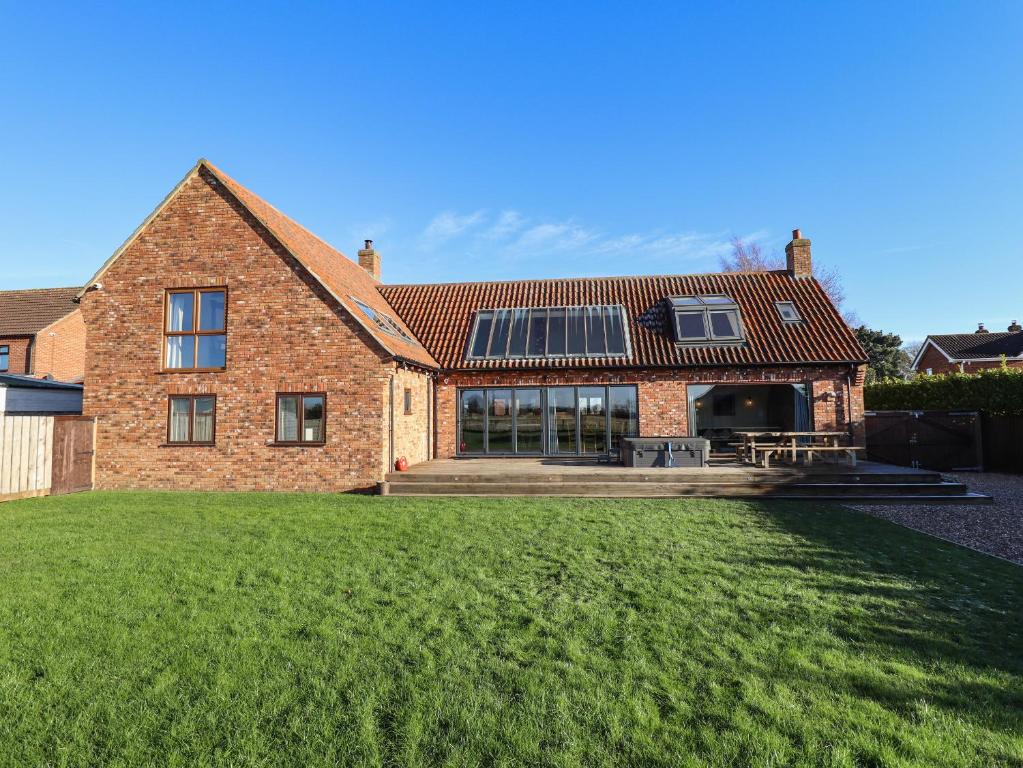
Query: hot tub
{"points": [[653, 451]]}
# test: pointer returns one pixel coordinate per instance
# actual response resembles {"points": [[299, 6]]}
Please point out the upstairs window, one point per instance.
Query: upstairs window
{"points": [[195, 326], [550, 332], [5, 358], [787, 311], [702, 319], [383, 322]]}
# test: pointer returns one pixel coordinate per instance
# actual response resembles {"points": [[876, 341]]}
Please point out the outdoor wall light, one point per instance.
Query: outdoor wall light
{"points": [[749, 402]]}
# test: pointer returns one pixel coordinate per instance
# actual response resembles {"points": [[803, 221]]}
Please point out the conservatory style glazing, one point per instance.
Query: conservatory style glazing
{"points": [[546, 421]]}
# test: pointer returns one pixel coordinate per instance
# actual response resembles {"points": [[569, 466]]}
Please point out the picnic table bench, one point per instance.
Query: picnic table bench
{"points": [[762, 445], [808, 451]]}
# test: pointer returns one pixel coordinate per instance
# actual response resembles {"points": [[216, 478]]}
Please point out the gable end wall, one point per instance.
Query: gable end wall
{"points": [[284, 333]]}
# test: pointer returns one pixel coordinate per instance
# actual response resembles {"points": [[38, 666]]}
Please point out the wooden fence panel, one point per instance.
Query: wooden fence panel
{"points": [[25, 443], [1003, 444]]}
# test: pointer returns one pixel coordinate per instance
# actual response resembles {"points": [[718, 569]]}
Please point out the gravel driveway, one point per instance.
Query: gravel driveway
{"points": [[996, 529]]}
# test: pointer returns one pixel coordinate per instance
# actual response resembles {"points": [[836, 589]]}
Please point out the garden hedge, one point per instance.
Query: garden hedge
{"points": [[998, 392]]}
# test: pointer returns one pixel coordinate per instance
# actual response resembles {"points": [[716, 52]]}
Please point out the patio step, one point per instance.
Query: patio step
{"points": [[916, 492], [671, 476]]}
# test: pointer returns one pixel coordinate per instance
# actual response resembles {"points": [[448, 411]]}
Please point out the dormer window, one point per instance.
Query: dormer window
{"points": [[702, 319]]}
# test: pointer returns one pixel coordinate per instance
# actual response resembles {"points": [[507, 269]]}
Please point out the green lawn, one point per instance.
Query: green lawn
{"points": [[215, 629]]}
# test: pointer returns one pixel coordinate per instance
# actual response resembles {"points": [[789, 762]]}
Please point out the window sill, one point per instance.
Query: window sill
{"points": [[170, 371], [278, 444], [187, 445]]}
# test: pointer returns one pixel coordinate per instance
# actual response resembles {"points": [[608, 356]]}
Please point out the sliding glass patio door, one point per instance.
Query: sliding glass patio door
{"points": [[562, 417], [555, 421]]}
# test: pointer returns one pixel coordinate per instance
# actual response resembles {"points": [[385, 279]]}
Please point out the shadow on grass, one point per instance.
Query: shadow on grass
{"points": [[953, 612]]}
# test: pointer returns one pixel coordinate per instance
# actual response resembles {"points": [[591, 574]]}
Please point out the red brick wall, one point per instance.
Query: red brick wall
{"points": [[284, 333], [60, 349], [19, 353], [662, 394], [938, 363]]}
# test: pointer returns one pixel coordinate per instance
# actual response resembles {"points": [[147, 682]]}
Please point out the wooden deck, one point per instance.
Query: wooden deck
{"points": [[865, 483]]}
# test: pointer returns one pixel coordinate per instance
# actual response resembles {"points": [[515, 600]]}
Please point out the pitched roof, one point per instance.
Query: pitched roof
{"points": [[441, 316], [342, 278], [25, 312], [973, 346]]}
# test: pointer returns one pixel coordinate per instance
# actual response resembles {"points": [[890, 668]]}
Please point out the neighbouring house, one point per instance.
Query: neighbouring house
{"points": [[970, 352], [42, 334], [230, 348], [29, 396]]}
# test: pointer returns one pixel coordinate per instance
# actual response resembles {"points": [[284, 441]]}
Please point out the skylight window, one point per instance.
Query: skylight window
{"points": [[383, 322], [701, 319], [549, 332], [787, 311]]}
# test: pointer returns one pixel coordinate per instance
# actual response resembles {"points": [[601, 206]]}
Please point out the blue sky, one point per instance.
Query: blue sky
{"points": [[499, 141]]}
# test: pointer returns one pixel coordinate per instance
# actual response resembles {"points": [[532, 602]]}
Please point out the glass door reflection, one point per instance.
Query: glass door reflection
{"points": [[561, 421], [499, 421], [528, 421]]}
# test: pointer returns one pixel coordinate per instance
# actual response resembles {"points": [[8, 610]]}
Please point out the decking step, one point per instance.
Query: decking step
{"points": [[695, 476], [681, 489]]}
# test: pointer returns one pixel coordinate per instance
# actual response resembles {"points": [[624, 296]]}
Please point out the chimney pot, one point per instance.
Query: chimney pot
{"points": [[981, 328], [369, 260], [1015, 327], [798, 261]]}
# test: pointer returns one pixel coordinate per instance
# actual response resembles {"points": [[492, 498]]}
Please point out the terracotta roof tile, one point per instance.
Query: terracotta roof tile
{"points": [[23, 313], [441, 316], [340, 275]]}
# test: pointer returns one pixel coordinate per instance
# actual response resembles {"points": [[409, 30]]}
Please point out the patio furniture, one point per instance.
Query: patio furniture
{"points": [[807, 451], [793, 443]]}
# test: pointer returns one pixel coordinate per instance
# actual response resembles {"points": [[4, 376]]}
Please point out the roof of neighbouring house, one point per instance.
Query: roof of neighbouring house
{"points": [[441, 316], [345, 280], [29, 382], [26, 312], [979, 346]]}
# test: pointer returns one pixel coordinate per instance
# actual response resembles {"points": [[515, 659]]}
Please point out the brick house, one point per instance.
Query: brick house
{"points": [[42, 334], [229, 348], [970, 352]]}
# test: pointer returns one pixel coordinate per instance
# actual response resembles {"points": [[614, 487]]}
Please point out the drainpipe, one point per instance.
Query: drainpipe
{"points": [[433, 382], [390, 425], [848, 407]]}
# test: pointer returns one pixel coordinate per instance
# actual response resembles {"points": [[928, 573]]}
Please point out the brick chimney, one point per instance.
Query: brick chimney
{"points": [[981, 328], [1015, 327], [797, 256], [369, 260]]}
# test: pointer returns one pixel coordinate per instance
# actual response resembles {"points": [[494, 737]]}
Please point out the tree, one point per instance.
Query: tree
{"points": [[886, 359], [750, 257]]}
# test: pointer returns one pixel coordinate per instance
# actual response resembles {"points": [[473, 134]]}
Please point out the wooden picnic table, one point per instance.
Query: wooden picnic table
{"points": [[827, 439]]}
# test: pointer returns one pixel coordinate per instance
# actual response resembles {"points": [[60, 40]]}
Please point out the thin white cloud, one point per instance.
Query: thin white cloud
{"points": [[507, 224], [448, 224], [497, 241]]}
